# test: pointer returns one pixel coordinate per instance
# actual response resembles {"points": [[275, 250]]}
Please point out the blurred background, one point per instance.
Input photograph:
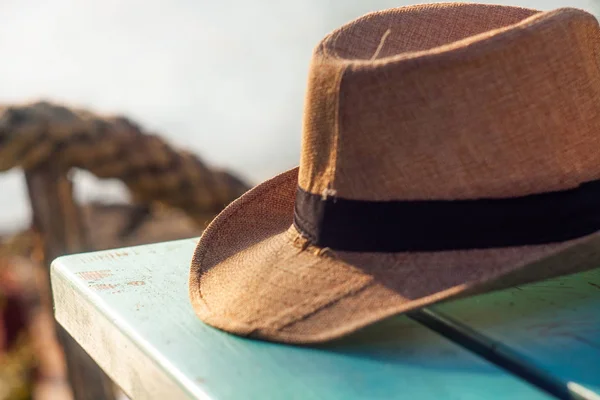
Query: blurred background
{"points": [[225, 79]]}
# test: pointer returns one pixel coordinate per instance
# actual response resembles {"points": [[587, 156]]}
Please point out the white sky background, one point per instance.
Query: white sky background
{"points": [[225, 79]]}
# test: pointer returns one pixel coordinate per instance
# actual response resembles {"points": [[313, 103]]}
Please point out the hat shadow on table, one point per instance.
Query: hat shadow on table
{"points": [[448, 149]]}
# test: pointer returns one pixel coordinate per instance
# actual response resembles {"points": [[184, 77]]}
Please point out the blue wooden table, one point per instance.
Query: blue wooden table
{"points": [[129, 310], [553, 324]]}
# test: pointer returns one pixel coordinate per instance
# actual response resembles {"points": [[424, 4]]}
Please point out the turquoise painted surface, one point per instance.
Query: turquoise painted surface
{"points": [[146, 287], [555, 324]]}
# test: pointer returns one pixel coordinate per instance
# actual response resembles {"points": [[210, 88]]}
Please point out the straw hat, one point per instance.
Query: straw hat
{"points": [[447, 149]]}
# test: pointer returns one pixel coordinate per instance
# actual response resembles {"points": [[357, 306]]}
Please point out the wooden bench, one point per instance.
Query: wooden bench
{"points": [[128, 308]]}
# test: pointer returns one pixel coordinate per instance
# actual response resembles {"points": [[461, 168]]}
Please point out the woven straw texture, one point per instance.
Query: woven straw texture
{"points": [[444, 101]]}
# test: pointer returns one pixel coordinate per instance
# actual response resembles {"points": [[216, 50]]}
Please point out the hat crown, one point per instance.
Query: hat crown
{"points": [[412, 116], [453, 101]]}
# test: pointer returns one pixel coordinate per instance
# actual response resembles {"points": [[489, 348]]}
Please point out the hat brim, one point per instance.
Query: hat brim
{"points": [[254, 275]]}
